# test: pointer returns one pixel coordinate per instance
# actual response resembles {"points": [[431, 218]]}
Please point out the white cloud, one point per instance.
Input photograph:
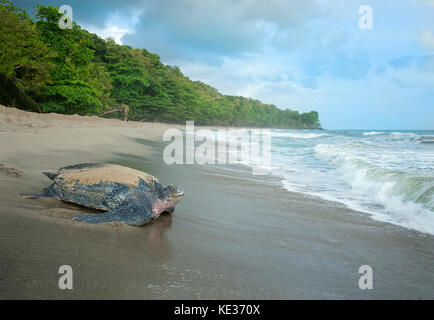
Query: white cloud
{"points": [[117, 25], [110, 31], [266, 77], [427, 39], [303, 54], [426, 2], [245, 75]]}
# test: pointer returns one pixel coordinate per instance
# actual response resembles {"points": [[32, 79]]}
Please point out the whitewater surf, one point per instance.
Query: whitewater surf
{"points": [[388, 174]]}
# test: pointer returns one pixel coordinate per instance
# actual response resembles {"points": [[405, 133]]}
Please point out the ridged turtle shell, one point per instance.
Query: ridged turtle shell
{"points": [[101, 186]]}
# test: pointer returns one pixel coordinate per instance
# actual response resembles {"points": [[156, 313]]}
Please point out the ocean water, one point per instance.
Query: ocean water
{"points": [[388, 174]]}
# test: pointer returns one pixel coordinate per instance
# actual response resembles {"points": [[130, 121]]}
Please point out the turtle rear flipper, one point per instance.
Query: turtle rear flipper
{"points": [[133, 211], [49, 192], [31, 195], [51, 174]]}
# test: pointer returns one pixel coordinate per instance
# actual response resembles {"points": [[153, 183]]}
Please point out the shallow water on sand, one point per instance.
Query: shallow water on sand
{"points": [[233, 236]]}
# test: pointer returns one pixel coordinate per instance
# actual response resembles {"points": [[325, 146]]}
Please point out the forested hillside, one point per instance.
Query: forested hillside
{"points": [[44, 68]]}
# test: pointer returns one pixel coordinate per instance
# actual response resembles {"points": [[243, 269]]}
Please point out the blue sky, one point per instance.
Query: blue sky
{"points": [[301, 54]]}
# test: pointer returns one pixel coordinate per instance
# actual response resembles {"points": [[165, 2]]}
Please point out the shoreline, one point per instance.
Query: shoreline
{"points": [[233, 236], [14, 118]]}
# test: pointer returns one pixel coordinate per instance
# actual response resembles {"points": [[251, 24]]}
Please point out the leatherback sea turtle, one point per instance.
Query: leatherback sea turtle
{"points": [[128, 195]]}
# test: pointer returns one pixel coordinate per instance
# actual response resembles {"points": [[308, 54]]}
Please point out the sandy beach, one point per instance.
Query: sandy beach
{"points": [[233, 236]]}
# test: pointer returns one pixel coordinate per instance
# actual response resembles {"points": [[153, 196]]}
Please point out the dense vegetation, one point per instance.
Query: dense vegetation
{"points": [[48, 69]]}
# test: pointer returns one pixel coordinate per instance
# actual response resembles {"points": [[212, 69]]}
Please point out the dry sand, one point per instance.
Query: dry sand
{"points": [[233, 236]]}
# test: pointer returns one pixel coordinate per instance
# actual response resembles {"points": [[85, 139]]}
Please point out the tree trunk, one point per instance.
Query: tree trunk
{"points": [[122, 109], [12, 96]]}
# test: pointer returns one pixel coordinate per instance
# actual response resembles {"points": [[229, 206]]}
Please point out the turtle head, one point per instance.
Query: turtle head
{"points": [[168, 197], [171, 193]]}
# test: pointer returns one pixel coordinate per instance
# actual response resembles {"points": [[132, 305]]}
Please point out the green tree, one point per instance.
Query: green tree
{"points": [[24, 58], [74, 71]]}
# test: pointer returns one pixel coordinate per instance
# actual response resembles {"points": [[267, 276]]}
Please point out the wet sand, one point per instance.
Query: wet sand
{"points": [[233, 236]]}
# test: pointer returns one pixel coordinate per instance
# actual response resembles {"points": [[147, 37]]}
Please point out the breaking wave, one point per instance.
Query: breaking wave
{"points": [[296, 135], [372, 133], [389, 175], [406, 199]]}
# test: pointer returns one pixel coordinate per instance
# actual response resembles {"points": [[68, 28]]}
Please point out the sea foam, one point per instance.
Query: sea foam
{"points": [[389, 175]]}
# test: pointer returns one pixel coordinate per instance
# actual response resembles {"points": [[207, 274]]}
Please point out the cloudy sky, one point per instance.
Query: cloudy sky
{"points": [[301, 54]]}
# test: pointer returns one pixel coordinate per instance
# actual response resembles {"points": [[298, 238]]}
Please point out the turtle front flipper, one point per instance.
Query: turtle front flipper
{"points": [[133, 211]]}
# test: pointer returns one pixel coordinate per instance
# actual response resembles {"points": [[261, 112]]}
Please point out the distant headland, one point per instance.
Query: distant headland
{"points": [[45, 68]]}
